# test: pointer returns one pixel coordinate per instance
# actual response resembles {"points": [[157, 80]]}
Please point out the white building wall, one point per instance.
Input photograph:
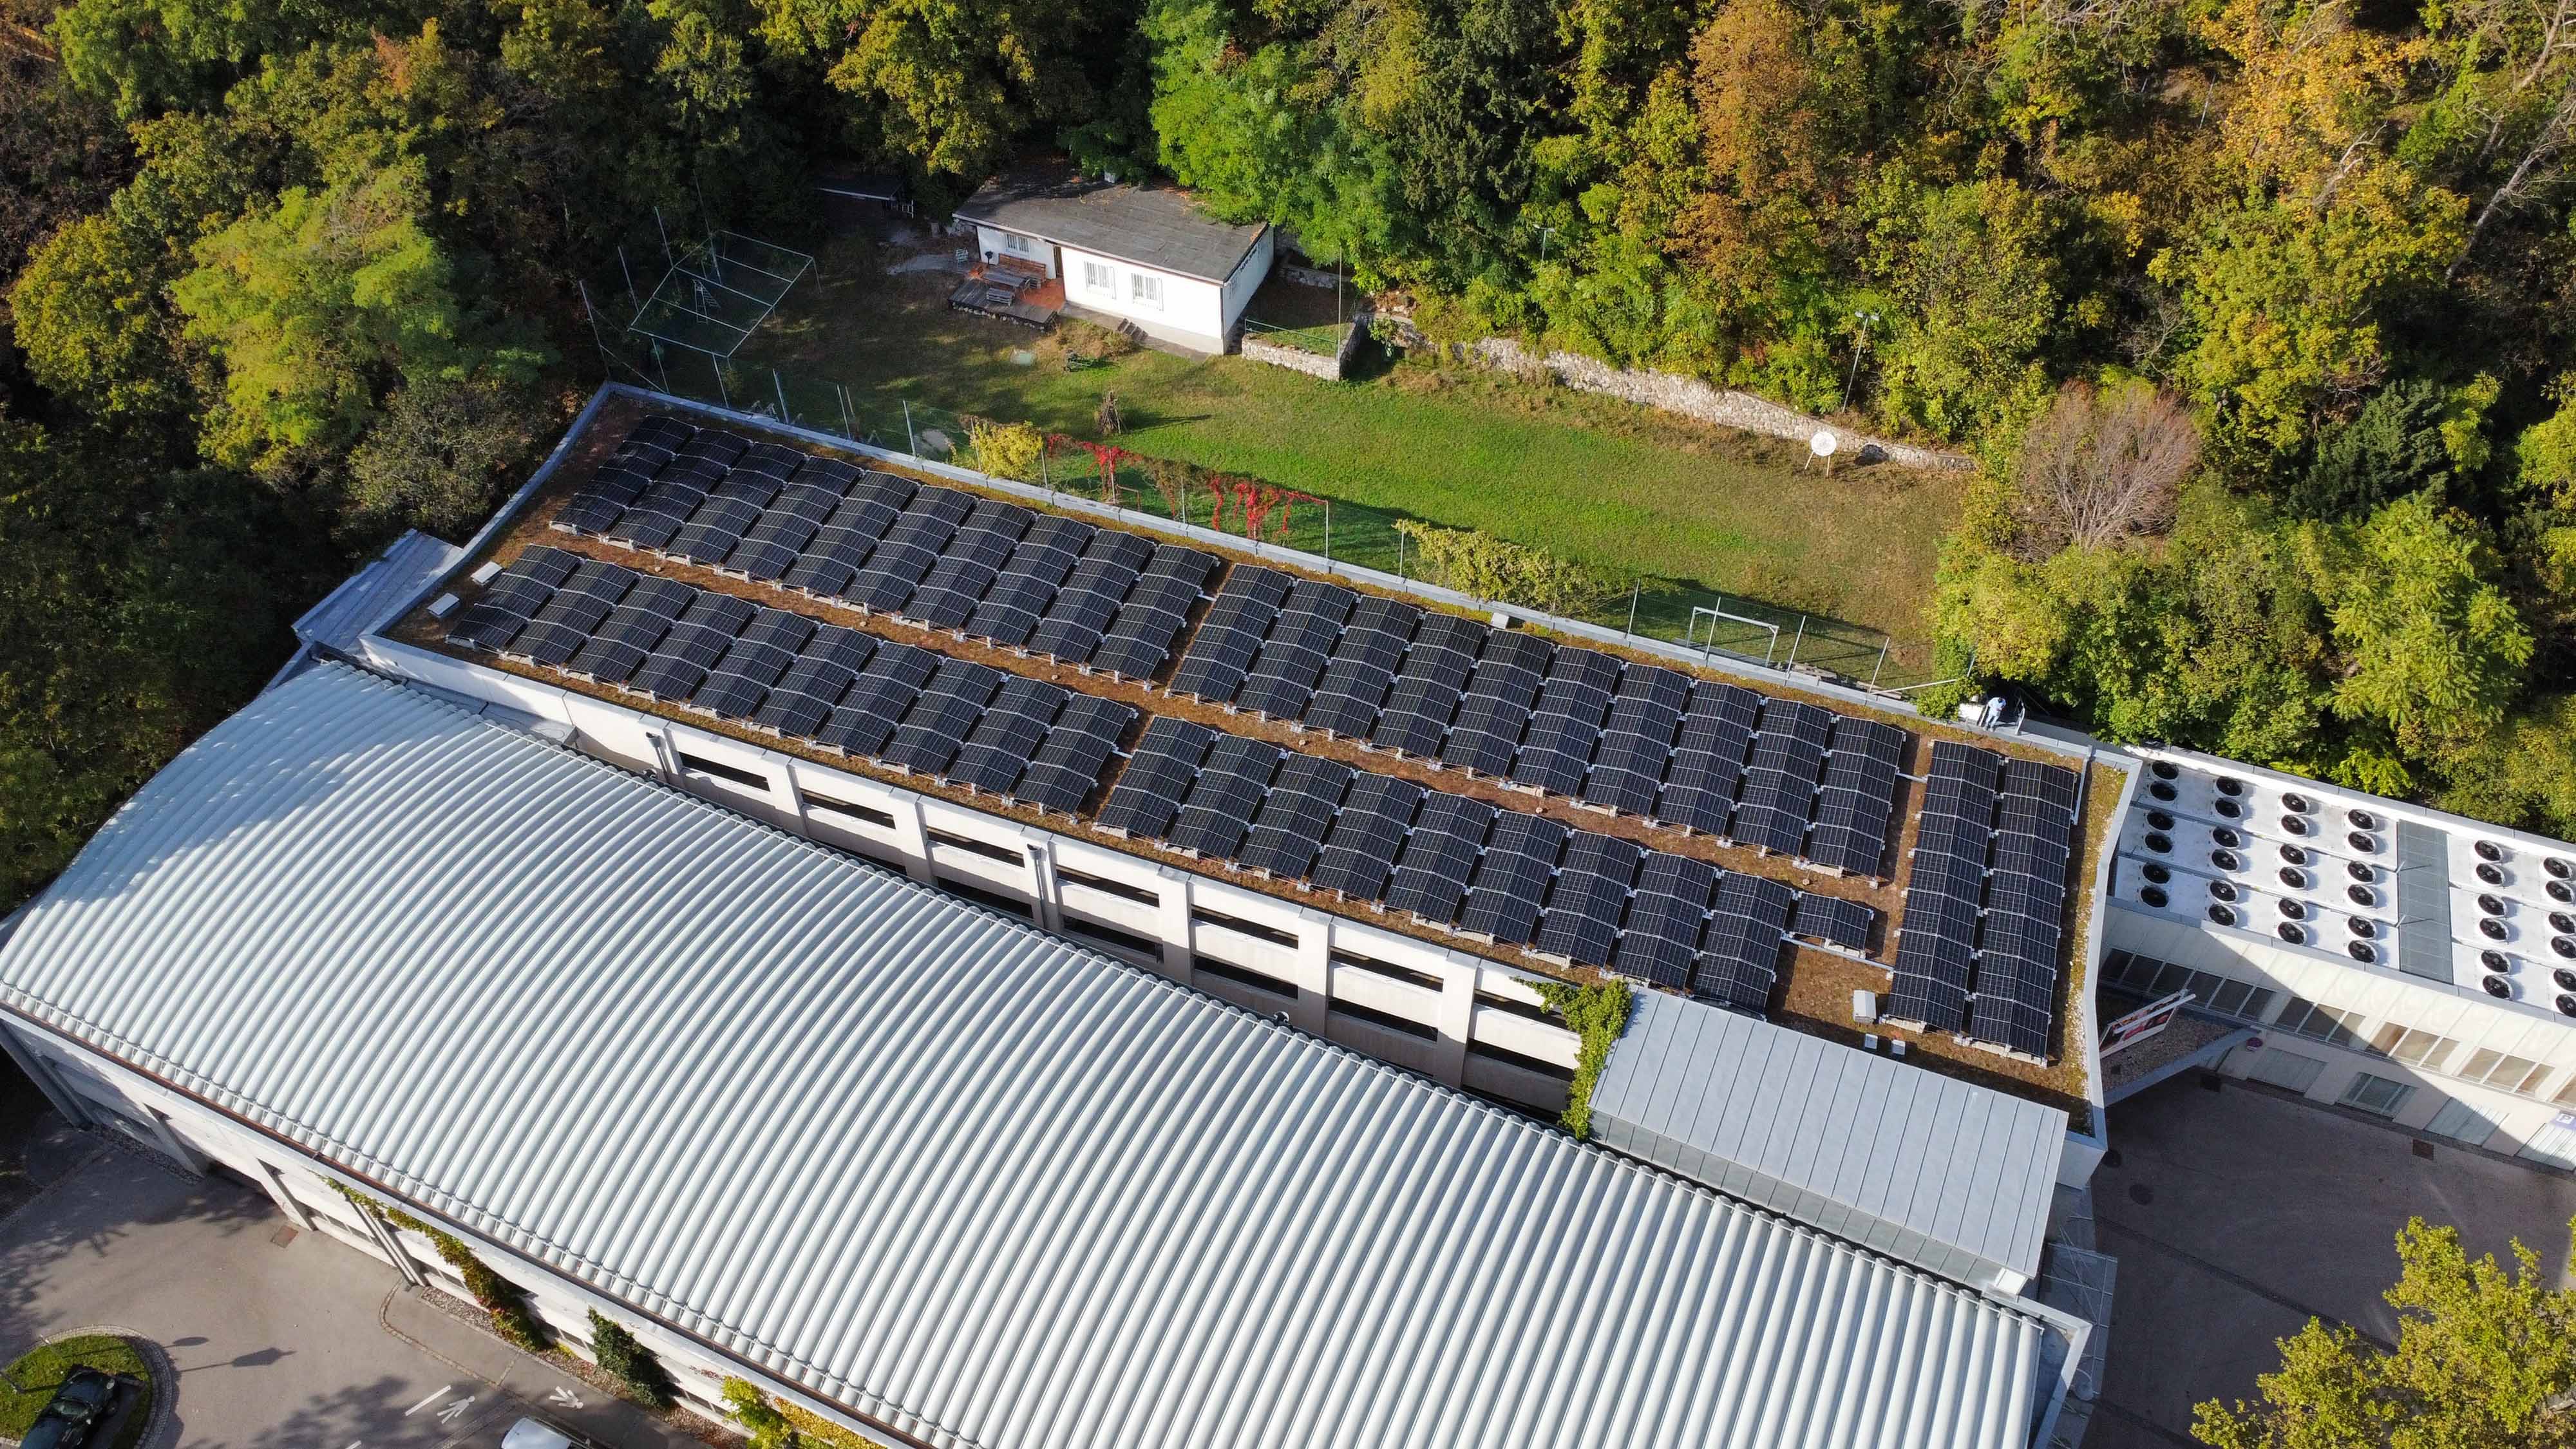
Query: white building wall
{"points": [[1192, 313], [995, 243], [2469, 1022], [1248, 277], [1445, 1014]]}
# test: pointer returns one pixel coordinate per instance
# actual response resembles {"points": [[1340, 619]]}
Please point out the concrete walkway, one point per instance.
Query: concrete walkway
{"points": [[279, 1339], [2239, 1215]]}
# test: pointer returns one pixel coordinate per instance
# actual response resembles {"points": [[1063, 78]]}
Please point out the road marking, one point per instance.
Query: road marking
{"points": [[425, 1403], [565, 1397], [455, 1411]]}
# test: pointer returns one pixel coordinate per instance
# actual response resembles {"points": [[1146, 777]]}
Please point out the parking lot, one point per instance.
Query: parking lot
{"points": [[279, 1339], [2238, 1215]]}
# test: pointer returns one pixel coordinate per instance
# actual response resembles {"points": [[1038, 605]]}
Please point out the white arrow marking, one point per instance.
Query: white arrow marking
{"points": [[455, 1411], [425, 1403], [565, 1397]]}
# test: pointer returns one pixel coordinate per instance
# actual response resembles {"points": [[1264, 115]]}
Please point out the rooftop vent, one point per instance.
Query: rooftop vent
{"points": [[2495, 960], [2220, 890], [2558, 867], [2222, 915], [2565, 978], [2295, 910], [2154, 895], [2498, 986], [2230, 809], [2491, 905], [2489, 850], [2361, 819], [2229, 785], [2159, 843], [2362, 951], [2297, 803], [2295, 879], [2360, 926], [2359, 872], [2294, 934], [2366, 844], [2295, 854], [2492, 929], [2294, 825], [2225, 859], [2227, 837], [2361, 895], [2161, 789], [2154, 872], [442, 606], [2491, 874], [2163, 769], [2159, 820]]}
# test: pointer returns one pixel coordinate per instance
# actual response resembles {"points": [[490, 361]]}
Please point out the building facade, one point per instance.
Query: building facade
{"points": [[2398, 961], [1144, 256]]}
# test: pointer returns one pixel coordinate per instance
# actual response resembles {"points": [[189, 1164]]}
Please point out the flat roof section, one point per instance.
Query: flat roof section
{"points": [[1931, 1170], [977, 1183], [672, 499]]}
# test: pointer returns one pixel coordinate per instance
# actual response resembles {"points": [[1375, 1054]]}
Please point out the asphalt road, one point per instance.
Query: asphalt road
{"points": [[281, 1339], [2239, 1215]]}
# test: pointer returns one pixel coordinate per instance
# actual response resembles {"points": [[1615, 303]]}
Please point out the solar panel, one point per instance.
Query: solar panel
{"points": [[591, 511], [485, 626], [835, 474], [1625, 791], [548, 642], [991, 768], [542, 564], [1450, 668], [658, 430], [1577, 705], [1360, 848], [679, 664], [1552, 770], [1477, 751], [729, 695], [1511, 878], [1829, 919], [1430, 876], [1659, 941], [1620, 750]]}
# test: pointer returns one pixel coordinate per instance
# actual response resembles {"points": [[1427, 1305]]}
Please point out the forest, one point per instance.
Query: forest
{"points": [[2256, 313]]}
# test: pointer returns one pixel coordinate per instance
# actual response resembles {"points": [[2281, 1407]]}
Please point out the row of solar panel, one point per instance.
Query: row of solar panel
{"points": [[1458, 863], [839, 689], [1983, 932], [942, 558], [1781, 775]]}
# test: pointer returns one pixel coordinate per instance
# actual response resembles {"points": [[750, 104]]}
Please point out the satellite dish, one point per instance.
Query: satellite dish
{"points": [[1824, 444]]}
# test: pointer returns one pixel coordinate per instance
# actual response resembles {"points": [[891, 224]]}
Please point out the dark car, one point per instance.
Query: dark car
{"points": [[71, 1420]]}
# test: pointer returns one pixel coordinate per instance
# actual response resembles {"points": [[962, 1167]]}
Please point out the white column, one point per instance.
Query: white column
{"points": [[915, 833], [1178, 959], [1043, 887], [1457, 1018], [1314, 970]]}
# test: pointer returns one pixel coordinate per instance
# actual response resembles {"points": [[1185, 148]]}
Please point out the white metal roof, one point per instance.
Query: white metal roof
{"points": [[969, 1179], [1931, 1169], [367, 599]]}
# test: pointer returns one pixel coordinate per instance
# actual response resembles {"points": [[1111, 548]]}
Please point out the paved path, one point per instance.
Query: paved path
{"points": [[281, 1339], [2239, 1215]]}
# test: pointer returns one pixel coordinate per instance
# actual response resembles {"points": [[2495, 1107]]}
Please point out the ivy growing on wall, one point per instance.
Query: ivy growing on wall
{"points": [[506, 1301], [776, 1425], [630, 1363], [1597, 1013]]}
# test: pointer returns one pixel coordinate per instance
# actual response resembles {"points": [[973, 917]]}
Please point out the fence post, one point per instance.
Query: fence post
{"points": [[1328, 530], [849, 429], [1634, 590], [1794, 643], [781, 389], [911, 444], [723, 393], [632, 299], [1882, 661]]}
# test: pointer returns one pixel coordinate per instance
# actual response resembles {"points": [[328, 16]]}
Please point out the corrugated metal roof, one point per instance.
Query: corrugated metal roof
{"points": [[968, 1178], [1927, 1168], [370, 596], [1153, 226]]}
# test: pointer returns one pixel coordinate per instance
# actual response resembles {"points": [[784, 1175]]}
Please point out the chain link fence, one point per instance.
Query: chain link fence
{"points": [[1343, 531]]}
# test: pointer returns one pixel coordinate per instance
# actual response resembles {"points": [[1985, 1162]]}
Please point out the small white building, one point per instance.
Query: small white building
{"points": [[1126, 253]]}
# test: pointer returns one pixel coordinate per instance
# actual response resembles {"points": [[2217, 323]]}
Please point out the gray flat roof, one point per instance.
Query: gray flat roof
{"points": [[1152, 226], [1939, 1172], [973, 1181]]}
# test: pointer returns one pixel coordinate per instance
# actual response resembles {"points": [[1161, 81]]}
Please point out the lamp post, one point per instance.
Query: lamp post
{"points": [[1866, 322], [1543, 234]]}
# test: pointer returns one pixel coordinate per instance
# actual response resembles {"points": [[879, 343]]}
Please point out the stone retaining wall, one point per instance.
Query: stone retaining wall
{"points": [[1692, 398], [1298, 359]]}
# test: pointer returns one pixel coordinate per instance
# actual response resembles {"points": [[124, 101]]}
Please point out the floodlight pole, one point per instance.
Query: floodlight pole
{"points": [[1794, 643], [1867, 320], [629, 273], [593, 319], [665, 233], [1634, 590], [1328, 530], [911, 444], [723, 393], [1883, 645], [841, 395], [781, 389]]}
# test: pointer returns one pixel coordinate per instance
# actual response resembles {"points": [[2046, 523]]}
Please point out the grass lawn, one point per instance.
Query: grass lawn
{"points": [[42, 1370], [1694, 510]]}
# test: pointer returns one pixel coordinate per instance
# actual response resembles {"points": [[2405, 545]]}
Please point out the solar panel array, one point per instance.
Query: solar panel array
{"points": [[1634, 739], [1461, 864], [834, 688], [938, 557], [1983, 931]]}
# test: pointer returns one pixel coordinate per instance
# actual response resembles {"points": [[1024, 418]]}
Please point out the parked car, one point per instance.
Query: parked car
{"points": [[81, 1404], [537, 1434]]}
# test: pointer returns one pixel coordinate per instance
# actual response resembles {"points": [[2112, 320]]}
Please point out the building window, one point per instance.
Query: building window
{"points": [[748, 779], [971, 846], [1145, 291], [855, 811], [2414, 1048], [1127, 941], [2517, 1075], [2158, 979], [1389, 970], [1108, 887], [1097, 277], [2376, 1095], [1018, 245], [1385, 1020], [2324, 1023], [1242, 927]]}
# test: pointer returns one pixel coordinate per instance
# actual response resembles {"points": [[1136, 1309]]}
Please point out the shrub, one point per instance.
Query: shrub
{"points": [[760, 1418], [1475, 562], [1004, 450], [506, 1301], [1597, 1013], [631, 1364]]}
